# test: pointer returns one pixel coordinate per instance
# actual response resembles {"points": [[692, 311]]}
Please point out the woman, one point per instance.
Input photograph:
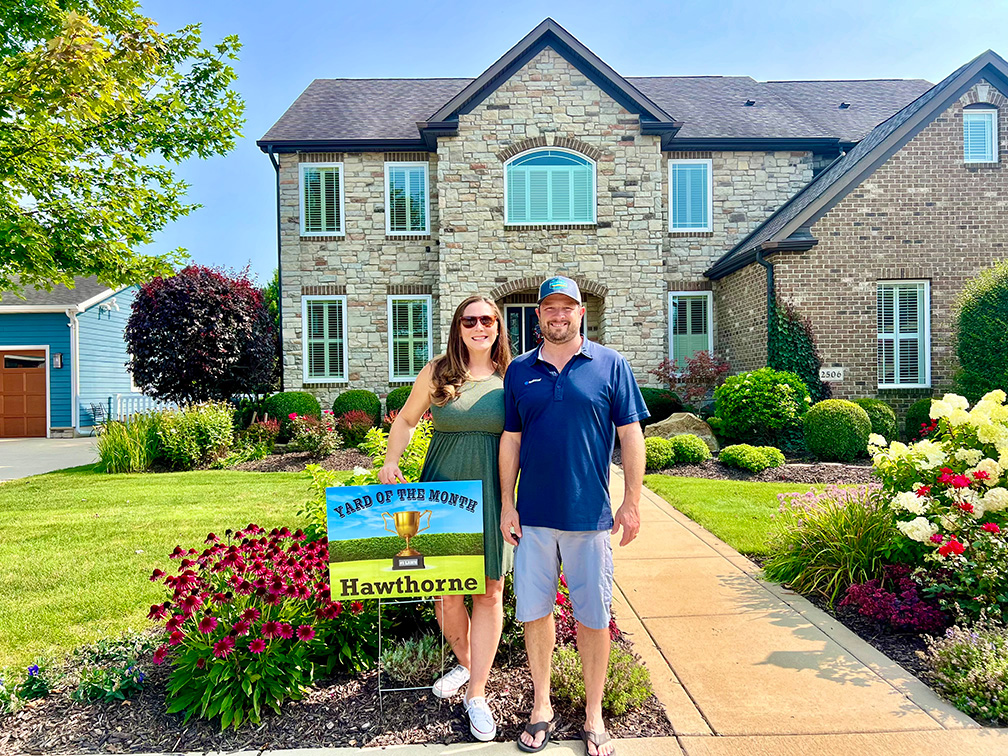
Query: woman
{"points": [[464, 390]]}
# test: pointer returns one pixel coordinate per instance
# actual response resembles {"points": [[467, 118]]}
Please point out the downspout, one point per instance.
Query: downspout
{"points": [[276, 167], [74, 325], [769, 294]]}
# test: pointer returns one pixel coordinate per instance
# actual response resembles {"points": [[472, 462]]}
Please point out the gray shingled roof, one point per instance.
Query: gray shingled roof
{"points": [[710, 106], [849, 167], [84, 289]]}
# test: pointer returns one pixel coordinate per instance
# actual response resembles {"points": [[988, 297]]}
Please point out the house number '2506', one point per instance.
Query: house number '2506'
{"points": [[831, 374]]}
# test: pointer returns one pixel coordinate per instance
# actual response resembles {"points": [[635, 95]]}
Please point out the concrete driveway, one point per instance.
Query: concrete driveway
{"points": [[21, 457]]}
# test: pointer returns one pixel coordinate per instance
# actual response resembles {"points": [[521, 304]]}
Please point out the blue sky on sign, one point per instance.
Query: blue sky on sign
{"points": [[369, 523], [286, 45]]}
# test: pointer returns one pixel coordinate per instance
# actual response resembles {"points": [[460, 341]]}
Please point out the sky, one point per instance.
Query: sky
{"points": [[287, 45]]}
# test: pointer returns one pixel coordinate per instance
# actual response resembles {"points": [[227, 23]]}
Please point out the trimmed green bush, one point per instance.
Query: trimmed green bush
{"points": [[752, 458], [883, 419], [359, 399], [280, 406], [837, 430], [762, 406], [195, 435], [658, 453], [918, 414], [396, 399], [660, 403], [981, 317], [627, 685], [689, 449]]}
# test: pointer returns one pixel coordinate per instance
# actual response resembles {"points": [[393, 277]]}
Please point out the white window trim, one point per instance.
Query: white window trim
{"points": [[594, 203], [926, 335], [388, 205], [709, 296], [392, 298], [341, 298], [710, 196], [301, 171], [994, 135]]}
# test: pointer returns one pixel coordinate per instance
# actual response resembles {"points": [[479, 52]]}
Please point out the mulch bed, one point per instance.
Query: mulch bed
{"points": [[791, 472], [344, 459], [338, 712]]}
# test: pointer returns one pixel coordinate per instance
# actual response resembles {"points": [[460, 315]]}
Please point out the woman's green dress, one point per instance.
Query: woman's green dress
{"points": [[465, 446]]}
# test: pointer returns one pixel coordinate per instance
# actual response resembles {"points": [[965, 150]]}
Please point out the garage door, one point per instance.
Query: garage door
{"points": [[22, 393]]}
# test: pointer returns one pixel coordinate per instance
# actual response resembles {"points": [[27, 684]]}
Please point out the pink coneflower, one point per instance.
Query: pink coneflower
{"points": [[186, 579], [244, 588], [219, 598], [186, 563], [251, 614], [208, 624], [174, 623], [337, 609], [158, 611], [176, 638], [224, 647], [200, 663], [257, 646], [156, 575], [356, 607], [286, 631], [305, 632], [160, 653], [191, 603], [211, 538], [270, 629], [178, 553], [241, 627]]}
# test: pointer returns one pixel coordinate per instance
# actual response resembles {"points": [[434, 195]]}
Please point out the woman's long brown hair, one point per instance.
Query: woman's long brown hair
{"points": [[451, 369]]}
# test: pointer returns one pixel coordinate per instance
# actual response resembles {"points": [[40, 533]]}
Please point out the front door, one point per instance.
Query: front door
{"points": [[22, 393]]}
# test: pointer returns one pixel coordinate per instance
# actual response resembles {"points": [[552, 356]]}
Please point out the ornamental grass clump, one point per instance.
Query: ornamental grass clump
{"points": [[824, 541], [248, 620], [128, 446], [949, 497], [969, 667]]}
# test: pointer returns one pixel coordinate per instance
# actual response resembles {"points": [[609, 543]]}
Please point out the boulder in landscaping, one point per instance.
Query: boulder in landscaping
{"points": [[679, 423]]}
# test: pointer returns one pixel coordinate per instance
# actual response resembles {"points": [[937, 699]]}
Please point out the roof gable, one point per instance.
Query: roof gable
{"points": [[792, 220], [85, 292]]}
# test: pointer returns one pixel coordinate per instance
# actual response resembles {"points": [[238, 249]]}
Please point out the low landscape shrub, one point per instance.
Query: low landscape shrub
{"points": [[353, 426], [658, 453], [260, 433], [824, 542], [396, 399], [281, 406], [416, 661], [563, 617], [752, 458], [627, 685], [358, 400], [764, 406], [689, 449], [116, 683], [195, 435], [837, 430], [981, 315], [37, 682], [247, 621], [895, 600], [882, 417], [695, 382], [314, 435], [969, 667], [660, 403], [918, 418], [128, 446]]}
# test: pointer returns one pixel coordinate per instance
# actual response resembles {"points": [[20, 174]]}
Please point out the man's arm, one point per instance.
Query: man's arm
{"points": [[510, 444], [632, 453]]}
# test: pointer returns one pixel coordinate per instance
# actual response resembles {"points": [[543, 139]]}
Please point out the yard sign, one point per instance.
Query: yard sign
{"points": [[409, 540]]}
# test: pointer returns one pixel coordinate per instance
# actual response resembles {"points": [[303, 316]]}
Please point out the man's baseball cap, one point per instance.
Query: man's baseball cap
{"points": [[559, 285]]}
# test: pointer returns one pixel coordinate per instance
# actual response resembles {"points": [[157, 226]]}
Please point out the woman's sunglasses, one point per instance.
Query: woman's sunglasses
{"points": [[469, 321]]}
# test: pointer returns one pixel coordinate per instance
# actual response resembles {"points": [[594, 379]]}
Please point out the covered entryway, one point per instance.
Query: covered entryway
{"points": [[23, 403]]}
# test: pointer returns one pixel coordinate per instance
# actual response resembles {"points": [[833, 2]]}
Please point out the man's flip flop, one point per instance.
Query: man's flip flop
{"points": [[598, 739], [533, 730]]}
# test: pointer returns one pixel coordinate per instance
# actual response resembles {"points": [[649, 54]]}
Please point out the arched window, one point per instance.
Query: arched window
{"points": [[549, 186]]}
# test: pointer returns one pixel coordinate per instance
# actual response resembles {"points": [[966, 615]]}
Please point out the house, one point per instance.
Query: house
{"points": [[62, 352], [666, 198]]}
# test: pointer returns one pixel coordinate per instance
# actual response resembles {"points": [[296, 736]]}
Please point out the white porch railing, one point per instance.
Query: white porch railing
{"points": [[123, 406]]}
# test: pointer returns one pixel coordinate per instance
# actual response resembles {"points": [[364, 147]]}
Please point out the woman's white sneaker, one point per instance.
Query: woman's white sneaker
{"points": [[481, 721], [448, 685]]}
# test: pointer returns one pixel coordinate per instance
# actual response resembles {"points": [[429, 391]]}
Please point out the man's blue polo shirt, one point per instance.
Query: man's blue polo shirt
{"points": [[568, 424]]}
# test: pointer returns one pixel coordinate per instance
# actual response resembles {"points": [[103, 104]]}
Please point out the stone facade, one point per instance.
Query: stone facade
{"points": [[924, 214], [626, 262]]}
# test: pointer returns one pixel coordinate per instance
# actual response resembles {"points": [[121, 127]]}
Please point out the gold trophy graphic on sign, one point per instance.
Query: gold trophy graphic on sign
{"points": [[407, 525]]}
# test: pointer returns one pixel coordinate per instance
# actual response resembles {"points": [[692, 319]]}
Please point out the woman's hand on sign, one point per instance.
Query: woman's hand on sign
{"points": [[390, 474]]}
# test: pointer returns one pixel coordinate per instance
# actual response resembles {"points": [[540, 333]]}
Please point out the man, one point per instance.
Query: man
{"points": [[562, 402]]}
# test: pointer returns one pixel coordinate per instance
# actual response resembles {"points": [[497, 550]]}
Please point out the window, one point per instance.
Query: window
{"points": [[690, 195], [406, 198], [321, 199], [689, 325], [409, 320], [904, 334], [980, 135], [549, 186], [324, 339]]}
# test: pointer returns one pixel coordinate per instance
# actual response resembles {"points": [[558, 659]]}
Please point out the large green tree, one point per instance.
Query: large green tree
{"points": [[95, 106]]}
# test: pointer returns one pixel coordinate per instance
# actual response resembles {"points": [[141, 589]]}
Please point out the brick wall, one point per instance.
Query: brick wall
{"points": [[923, 214], [741, 301]]}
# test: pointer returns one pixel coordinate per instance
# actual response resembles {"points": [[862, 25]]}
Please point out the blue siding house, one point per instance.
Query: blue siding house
{"points": [[61, 352]]}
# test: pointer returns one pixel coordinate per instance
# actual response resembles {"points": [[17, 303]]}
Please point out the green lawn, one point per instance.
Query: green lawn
{"points": [[738, 512], [78, 547]]}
